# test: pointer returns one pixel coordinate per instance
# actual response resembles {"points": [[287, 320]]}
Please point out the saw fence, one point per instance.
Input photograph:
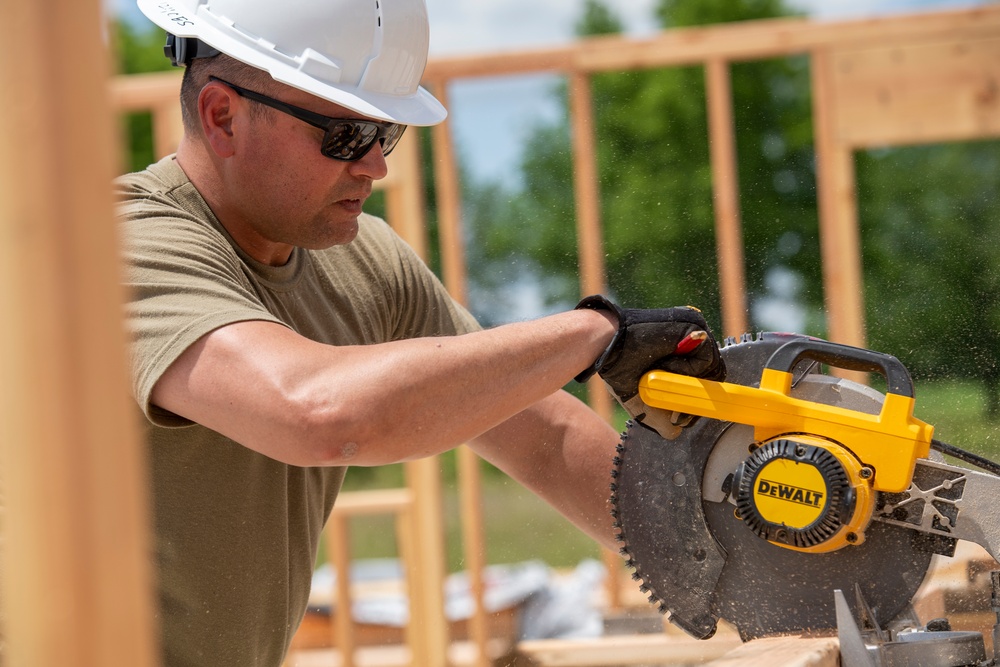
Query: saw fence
{"points": [[905, 79]]}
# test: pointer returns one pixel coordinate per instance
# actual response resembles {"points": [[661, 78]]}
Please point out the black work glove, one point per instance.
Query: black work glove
{"points": [[648, 340]]}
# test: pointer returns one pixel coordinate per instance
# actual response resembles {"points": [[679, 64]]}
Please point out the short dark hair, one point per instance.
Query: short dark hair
{"points": [[196, 75]]}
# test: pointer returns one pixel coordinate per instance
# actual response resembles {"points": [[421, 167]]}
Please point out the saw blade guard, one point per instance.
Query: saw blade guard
{"points": [[887, 444]]}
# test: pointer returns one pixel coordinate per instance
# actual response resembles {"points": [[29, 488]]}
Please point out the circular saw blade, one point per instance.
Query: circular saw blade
{"points": [[700, 563]]}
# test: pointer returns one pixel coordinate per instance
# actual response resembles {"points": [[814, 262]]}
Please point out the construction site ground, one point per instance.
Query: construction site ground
{"points": [[956, 588]]}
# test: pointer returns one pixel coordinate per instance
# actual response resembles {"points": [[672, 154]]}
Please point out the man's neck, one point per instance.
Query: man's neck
{"points": [[206, 178]]}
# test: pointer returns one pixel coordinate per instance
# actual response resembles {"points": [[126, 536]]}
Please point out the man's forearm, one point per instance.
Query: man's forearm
{"points": [[562, 450], [306, 403]]}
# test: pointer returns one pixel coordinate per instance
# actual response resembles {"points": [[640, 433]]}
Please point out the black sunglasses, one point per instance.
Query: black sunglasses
{"points": [[345, 139]]}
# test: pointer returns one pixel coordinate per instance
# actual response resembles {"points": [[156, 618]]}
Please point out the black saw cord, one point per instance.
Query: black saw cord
{"points": [[968, 457]]}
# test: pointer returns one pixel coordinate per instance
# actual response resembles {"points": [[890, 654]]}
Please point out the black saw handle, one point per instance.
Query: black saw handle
{"points": [[846, 357]]}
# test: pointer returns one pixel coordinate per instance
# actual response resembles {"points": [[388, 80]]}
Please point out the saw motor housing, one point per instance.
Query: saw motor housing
{"points": [[811, 477], [805, 493]]}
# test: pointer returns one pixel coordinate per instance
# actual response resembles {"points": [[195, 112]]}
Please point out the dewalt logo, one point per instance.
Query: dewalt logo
{"points": [[792, 494], [789, 493]]}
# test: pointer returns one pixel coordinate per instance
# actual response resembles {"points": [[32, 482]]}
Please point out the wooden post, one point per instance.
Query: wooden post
{"points": [[406, 535], [76, 563], [404, 193], [449, 206], [427, 621], [167, 128], [725, 191], [399, 504], [338, 544], [590, 244], [838, 219], [157, 93], [428, 627], [470, 496], [470, 485], [586, 186]]}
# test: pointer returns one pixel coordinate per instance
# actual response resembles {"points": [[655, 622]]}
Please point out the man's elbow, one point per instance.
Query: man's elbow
{"points": [[335, 436]]}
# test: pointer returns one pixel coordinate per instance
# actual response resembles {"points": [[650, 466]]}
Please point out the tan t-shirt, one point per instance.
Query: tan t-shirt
{"points": [[236, 531]]}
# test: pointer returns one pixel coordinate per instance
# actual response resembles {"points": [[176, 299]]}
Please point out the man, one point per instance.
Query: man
{"points": [[279, 334]]}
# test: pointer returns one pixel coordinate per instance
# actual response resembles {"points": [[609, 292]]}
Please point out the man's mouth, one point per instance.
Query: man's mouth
{"points": [[353, 205]]}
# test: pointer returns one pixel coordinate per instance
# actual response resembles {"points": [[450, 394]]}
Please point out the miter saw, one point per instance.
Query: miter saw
{"points": [[787, 500]]}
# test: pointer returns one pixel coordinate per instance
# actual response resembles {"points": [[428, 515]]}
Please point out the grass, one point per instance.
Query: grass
{"points": [[957, 410], [520, 526]]}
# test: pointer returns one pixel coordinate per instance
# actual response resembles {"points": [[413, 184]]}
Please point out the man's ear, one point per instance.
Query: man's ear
{"points": [[216, 106]]}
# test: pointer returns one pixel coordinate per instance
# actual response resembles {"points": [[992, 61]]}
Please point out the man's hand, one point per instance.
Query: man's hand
{"points": [[671, 339]]}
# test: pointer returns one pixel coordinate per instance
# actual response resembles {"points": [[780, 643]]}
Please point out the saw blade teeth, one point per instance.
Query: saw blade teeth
{"points": [[620, 536]]}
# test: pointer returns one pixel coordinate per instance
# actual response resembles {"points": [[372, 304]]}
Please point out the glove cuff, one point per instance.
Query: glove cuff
{"points": [[599, 302]]}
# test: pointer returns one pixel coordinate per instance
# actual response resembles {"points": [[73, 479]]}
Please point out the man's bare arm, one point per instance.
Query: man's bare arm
{"points": [[561, 450], [307, 403]]}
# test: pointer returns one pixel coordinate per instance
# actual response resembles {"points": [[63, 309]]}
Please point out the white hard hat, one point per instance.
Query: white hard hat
{"points": [[365, 55]]}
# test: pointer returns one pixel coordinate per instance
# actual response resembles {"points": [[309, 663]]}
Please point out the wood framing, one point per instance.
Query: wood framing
{"points": [[924, 92], [76, 569], [902, 79], [398, 503], [896, 80], [726, 197], [455, 277]]}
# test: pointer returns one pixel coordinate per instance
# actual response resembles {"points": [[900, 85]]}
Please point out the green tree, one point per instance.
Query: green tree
{"points": [[929, 221], [655, 180]]}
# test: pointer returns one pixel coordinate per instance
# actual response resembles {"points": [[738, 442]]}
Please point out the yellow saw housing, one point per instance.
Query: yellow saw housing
{"points": [[811, 478]]}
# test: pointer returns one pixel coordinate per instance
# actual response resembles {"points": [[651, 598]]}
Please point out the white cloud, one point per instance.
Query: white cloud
{"points": [[843, 9], [460, 26], [476, 26]]}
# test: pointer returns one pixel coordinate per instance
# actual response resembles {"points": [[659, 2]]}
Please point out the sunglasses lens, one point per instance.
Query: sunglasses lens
{"points": [[391, 138], [351, 140]]}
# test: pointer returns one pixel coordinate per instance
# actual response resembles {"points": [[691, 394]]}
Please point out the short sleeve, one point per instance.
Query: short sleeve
{"points": [[184, 281]]}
